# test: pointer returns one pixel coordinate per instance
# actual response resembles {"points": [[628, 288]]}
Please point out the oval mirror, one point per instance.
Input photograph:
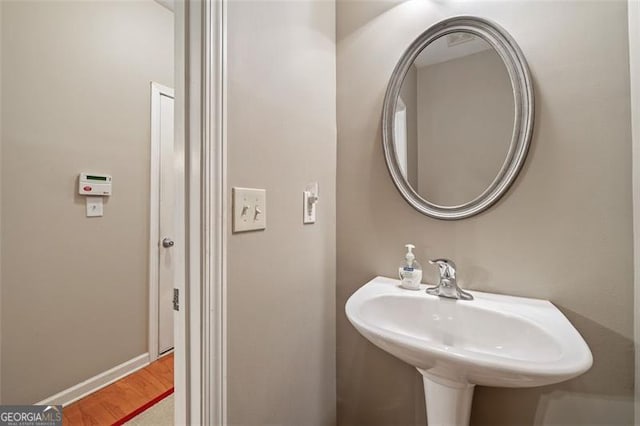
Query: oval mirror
{"points": [[458, 118]]}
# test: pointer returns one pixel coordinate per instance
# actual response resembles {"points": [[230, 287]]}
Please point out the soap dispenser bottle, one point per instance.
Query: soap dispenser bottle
{"points": [[410, 270]]}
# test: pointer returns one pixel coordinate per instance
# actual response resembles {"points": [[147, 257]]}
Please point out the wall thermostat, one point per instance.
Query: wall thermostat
{"points": [[94, 184]]}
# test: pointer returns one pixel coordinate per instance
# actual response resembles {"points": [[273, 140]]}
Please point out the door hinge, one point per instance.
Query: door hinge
{"points": [[176, 299]]}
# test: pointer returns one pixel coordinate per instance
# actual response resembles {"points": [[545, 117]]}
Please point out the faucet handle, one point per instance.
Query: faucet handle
{"points": [[447, 267]]}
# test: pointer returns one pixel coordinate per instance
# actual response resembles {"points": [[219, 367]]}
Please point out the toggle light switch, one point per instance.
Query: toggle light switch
{"points": [[310, 198], [249, 209]]}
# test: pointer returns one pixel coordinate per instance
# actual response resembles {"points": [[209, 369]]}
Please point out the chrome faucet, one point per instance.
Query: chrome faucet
{"points": [[448, 285]]}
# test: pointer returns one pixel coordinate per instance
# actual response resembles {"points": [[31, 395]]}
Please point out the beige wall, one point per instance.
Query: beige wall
{"points": [[562, 233], [466, 112], [75, 97], [281, 281], [634, 65]]}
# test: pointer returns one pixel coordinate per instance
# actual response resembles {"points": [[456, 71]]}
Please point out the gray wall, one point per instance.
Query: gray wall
{"points": [[281, 281], [466, 113], [75, 97], [562, 233]]}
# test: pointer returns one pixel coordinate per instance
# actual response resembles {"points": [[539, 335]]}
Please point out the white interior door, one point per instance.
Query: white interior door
{"points": [[168, 245], [167, 251], [400, 136]]}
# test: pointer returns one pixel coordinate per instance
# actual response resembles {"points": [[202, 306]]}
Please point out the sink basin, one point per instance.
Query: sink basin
{"points": [[493, 340]]}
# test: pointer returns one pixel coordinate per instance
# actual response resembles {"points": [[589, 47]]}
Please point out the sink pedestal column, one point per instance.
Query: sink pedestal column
{"points": [[448, 402]]}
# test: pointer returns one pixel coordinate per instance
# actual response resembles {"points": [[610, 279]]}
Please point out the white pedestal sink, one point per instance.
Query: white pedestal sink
{"points": [[493, 340]]}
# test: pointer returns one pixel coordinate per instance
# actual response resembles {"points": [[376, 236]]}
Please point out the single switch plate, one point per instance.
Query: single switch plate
{"points": [[95, 206], [249, 209], [309, 201]]}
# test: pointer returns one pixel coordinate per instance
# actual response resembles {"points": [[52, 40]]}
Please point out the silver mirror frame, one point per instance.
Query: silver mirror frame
{"points": [[519, 74]]}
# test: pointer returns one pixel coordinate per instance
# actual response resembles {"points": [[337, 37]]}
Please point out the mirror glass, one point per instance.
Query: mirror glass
{"points": [[454, 119]]}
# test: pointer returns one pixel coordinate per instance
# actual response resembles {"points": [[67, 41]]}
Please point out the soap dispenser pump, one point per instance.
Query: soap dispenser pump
{"points": [[410, 270]]}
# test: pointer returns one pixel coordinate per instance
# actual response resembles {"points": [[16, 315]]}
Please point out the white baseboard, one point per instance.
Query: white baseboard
{"points": [[95, 383]]}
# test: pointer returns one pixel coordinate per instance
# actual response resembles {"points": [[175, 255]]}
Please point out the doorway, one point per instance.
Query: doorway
{"points": [[76, 113], [85, 279]]}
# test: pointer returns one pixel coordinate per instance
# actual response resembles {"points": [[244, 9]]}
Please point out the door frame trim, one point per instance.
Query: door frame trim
{"points": [[202, 95], [157, 90]]}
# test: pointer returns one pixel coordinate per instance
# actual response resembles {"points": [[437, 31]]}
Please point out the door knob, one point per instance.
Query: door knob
{"points": [[167, 242]]}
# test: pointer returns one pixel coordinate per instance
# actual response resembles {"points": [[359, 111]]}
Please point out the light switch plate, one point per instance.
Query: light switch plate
{"points": [[309, 201], [249, 209]]}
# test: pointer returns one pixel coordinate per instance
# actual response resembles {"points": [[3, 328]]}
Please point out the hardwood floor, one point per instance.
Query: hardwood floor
{"points": [[115, 401]]}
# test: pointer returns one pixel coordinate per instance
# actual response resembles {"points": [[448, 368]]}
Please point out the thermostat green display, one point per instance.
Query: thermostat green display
{"points": [[94, 184]]}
